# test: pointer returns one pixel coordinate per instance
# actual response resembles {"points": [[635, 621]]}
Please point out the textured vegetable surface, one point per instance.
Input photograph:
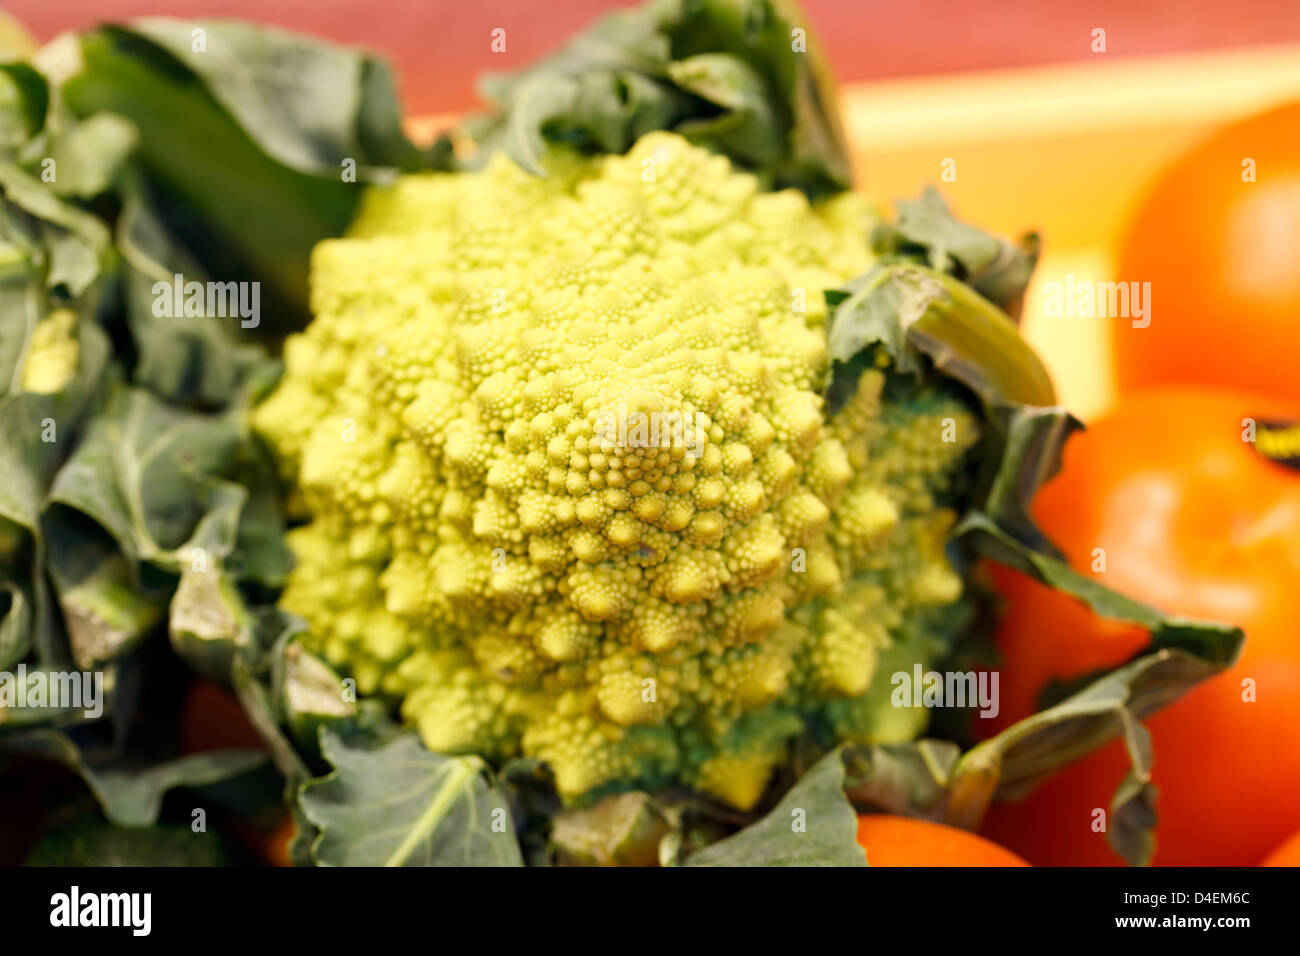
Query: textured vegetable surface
{"points": [[494, 541]]}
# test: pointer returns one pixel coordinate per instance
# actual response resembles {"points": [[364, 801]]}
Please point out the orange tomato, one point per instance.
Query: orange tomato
{"points": [[1223, 259], [275, 847], [902, 841], [1288, 854], [1191, 520]]}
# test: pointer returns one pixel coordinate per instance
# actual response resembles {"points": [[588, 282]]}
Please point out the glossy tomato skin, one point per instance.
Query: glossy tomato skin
{"points": [[1223, 260], [1193, 521], [902, 841], [1288, 854]]}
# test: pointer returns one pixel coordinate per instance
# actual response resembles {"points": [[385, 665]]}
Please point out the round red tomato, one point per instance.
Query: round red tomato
{"points": [[1288, 854], [1218, 238], [902, 841], [1189, 518]]}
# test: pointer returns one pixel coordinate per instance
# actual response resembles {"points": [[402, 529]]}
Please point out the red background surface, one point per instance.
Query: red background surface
{"points": [[438, 46]]}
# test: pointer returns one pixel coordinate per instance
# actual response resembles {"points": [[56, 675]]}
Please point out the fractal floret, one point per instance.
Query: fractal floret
{"points": [[573, 488]]}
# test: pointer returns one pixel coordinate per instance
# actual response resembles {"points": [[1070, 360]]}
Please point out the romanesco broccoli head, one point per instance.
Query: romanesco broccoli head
{"points": [[572, 486]]}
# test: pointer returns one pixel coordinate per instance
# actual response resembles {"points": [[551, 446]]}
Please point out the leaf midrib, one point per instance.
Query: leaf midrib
{"points": [[428, 822]]}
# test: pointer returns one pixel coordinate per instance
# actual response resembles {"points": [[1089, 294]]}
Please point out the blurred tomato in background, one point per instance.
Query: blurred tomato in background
{"points": [[1218, 238], [1288, 854], [903, 841], [1190, 518]]}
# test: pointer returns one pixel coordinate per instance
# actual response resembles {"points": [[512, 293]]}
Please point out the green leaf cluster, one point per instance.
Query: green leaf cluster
{"points": [[742, 77], [136, 507]]}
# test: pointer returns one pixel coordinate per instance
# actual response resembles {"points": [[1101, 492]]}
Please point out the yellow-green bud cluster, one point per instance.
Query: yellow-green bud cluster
{"points": [[573, 492]]}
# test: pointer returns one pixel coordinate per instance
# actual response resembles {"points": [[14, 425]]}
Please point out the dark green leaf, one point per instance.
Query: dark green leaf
{"points": [[1216, 644], [207, 621], [813, 825], [312, 696], [624, 829], [1131, 831], [724, 73], [540, 101], [148, 473], [533, 803], [264, 677], [260, 554], [304, 835], [242, 145], [105, 612], [24, 99], [37, 429], [191, 360], [90, 841], [114, 483], [911, 311], [908, 779], [743, 127], [131, 796], [75, 246], [401, 805], [1028, 453], [288, 693], [302, 101], [87, 155], [928, 232], [15, 624]]}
